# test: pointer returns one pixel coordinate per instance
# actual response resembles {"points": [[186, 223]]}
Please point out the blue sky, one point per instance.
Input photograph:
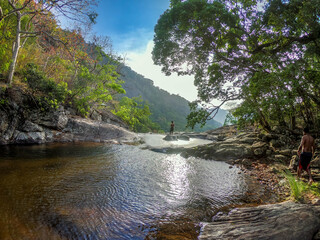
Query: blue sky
{"points": [[130, 26], [129, 23]]}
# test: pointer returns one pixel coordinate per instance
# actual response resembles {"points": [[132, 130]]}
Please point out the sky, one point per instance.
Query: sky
{"points": [[130, 26]]}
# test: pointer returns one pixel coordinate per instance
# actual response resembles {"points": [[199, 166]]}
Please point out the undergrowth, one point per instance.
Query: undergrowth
{"points": [[300, 189]]}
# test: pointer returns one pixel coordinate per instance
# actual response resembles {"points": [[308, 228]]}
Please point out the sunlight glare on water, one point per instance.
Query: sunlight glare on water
{"points": [[95, 191]]}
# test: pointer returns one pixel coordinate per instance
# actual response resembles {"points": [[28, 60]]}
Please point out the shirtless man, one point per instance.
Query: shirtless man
{"points": [[305, 152]]}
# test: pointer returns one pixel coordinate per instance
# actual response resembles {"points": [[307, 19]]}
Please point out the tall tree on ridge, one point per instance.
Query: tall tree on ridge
{"points": [[36, 13]]}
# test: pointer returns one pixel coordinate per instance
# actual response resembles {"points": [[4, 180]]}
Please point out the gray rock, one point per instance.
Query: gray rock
{"points": [[94, 115], [21, 137], [294, 162], [276, 143], [248, 140], [280, 158], [259, 152], [56, 120], [246, 162], [29, 138], [286, 152], [221, 138], [4, 122], [88, 130], [36, 137], [171, 138], [13, 124], [259, 148], [315, 163], [212, 137], [183, 137], [282, 221], [268, 152], [31, 127]]}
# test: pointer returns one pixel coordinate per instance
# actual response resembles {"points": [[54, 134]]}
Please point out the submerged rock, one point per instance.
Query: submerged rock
{"points": [[176, 137], [171, 138]]}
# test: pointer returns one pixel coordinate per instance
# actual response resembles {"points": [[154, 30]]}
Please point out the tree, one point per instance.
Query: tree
{"points": [[135, 113], [240, 49], [35, 14]]}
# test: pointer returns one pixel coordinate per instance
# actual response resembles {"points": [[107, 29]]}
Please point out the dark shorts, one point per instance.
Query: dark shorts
{"points": [[305, 159]]}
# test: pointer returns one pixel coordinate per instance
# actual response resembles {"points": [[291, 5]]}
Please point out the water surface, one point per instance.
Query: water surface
{"points": [[96, 191]]}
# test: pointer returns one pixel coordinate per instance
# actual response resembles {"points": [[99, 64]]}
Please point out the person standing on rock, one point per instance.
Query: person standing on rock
{"points": [[171, 127], [305, 152]]}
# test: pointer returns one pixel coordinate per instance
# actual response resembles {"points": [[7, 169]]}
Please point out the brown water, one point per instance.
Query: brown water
{"points": [[94, 191]]}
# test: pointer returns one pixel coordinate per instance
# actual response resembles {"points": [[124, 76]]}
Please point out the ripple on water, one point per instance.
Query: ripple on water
{"points": [[100, 192]]}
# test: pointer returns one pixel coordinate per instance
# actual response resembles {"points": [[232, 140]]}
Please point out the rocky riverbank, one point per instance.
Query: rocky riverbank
{"points": [[263, 156], [23, 122], [287, 220]]}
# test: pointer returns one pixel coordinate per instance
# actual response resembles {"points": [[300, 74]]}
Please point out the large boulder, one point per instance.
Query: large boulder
{"points": [[170, 138], [259, 148], [30, 137], [89, 130], [23, 122], [54, 119], [286, 220]]}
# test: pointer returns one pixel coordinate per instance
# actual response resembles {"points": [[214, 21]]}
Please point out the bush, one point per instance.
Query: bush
{"points": [[51, 93], [300, 189]]}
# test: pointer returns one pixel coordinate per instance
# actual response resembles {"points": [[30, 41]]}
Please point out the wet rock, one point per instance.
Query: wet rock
{"points": [[201, 136], [171, 138], [89, 130], [286, 220], [183, 137]]}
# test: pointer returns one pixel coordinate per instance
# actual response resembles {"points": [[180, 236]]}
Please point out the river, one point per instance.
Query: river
{"points": [[98, 191]]}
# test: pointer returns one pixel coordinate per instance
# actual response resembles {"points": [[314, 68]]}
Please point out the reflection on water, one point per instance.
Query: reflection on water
{"points": [[94, 191]]}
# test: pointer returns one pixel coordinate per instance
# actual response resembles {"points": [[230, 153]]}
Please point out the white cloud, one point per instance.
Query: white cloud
{"points": [[135, 40], [142, 63]]}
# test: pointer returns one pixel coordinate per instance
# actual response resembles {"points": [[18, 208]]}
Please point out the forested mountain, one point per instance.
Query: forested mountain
{"points": [[264, 53], [164, 107]]}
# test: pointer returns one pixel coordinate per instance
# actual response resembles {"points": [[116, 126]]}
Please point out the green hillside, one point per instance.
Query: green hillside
{"points": [[165, 107]]}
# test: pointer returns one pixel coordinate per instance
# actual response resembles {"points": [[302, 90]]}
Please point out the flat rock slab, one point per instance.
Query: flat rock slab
{"points": [[281, 221]]}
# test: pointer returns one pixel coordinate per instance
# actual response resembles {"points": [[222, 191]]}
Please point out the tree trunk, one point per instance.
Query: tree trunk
{"points": [[263, 121], [15, 49]]}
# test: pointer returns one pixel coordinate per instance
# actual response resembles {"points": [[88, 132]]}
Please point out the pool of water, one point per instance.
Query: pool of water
{"points": [[96, 191]]}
